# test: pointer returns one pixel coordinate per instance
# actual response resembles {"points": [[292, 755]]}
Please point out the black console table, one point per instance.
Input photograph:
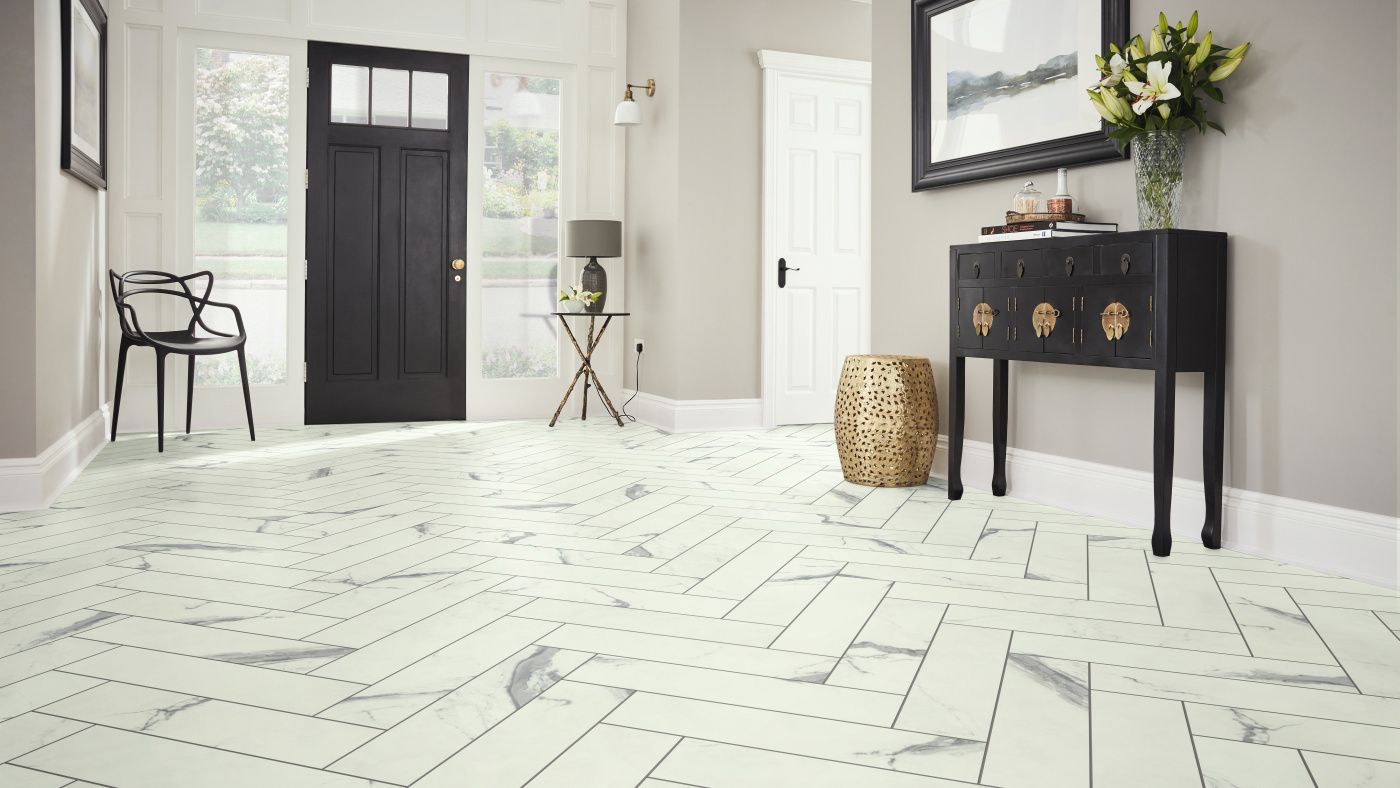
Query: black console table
{"points": [[1153, 299]]}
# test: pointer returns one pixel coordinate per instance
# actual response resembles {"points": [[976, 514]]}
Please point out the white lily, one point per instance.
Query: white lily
{"points": [[1156, 88], [1116, 64]]}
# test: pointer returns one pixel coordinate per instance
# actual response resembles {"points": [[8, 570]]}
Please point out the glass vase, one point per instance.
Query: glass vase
{"points": [[1158, 160]]}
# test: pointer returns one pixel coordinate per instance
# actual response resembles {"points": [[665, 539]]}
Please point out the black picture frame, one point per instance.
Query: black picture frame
{"points": [[1050, 154], [74, 158]]}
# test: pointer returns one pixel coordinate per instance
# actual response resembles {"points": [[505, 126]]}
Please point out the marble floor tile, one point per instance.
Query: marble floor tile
{"points": [[698, 762], [278, 735], [890, 647], [503, 604], [1140, 742], [1040, 735], [830, 623], [512, 753], [955, 692], [863, 745], [742, 689], [1336, 771]]}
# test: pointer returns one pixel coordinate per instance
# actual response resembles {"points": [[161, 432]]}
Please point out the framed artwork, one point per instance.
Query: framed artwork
{"points": [[84, 146], [999, 86]]}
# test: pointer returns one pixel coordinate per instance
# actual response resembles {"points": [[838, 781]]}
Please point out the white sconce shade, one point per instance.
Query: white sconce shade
{"points": [[628, 114]]}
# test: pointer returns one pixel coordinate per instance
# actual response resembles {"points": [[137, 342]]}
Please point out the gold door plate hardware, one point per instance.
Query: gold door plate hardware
{"points": [[458, 264], [982, 316], [1043, 319], [1115, 320]]}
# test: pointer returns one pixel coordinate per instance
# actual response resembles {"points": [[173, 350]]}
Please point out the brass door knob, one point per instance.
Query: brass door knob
{"points": [[1114, 320], [458, 264]]}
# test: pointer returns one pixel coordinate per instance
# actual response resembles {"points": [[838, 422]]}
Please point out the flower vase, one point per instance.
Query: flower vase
{"points": [[572, 305], [1158, 159]]}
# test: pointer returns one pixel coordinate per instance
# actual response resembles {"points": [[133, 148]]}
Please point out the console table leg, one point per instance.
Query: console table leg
{"points": [[1163, 438], [1213, 466], [957, 397], [1000, 369]]}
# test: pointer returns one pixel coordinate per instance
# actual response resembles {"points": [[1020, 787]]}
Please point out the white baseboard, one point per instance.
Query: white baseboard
{"points": [[695, 415], [27, 483], [1344, 542]]}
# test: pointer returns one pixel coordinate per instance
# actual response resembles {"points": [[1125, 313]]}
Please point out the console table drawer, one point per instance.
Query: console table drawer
{"points": [[1075, 261], [978, 266], [1121, 259], [1021, 265]]}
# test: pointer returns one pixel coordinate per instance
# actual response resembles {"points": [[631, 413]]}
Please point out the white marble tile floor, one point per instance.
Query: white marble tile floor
{"points": [[501, 605]]}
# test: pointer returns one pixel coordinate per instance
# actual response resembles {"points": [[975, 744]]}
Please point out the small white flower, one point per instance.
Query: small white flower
{"points": [[1116, 64], [1156, 88]]}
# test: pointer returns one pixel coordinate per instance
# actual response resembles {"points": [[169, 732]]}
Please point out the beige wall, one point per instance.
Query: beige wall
{"points": [[17, 211], [70, 247], [698, 302], [1312, 395], [54, 243]]}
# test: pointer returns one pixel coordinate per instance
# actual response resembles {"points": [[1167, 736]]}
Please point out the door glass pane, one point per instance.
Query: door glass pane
{"points": [[520, 228], [390, 97], [240, 218], [349, 94], [429, 100]]}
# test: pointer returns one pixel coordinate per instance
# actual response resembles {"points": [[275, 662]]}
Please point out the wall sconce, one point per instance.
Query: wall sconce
{"points": [[628, 113]]}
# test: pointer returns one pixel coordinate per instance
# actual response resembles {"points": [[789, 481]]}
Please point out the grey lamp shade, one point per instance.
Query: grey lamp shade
{"points": [[593, 238]]}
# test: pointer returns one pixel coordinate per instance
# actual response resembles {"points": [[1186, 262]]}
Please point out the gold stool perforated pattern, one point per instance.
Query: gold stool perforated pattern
{"points": [[886, 420]]}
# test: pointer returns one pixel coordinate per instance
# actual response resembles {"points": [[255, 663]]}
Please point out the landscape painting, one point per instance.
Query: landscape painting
{"points": [[998, 81]]}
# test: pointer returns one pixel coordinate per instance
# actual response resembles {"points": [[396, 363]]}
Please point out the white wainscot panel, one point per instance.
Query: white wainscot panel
{"points": [[848, 116], [802, 112], [845, 328], [143, 249], [435, 18], [262, 10], [531, 23], [599, 195], [802, 333], [802, 200], [145, 5], [143, 111], [602, 26], [848, 191]]}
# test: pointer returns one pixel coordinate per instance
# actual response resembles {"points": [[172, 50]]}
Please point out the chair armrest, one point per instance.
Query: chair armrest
{"points": [[237, 316]]}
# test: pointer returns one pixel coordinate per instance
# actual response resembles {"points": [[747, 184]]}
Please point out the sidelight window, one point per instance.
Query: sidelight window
{"points": [[520, 227], [241, 193]]}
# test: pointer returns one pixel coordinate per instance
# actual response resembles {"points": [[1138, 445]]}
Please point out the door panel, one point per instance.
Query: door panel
{"points": [[386, 215], [999, 337], [1023, 303], [1137, 340], [1095, 300], [968, 299], [1062, 337]]}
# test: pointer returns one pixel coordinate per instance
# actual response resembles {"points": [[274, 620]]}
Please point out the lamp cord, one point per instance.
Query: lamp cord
{"points": [[637, 381]]}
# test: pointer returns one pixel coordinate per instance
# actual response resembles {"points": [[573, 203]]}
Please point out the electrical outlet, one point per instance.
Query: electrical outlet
{"points": [[639, 344]]}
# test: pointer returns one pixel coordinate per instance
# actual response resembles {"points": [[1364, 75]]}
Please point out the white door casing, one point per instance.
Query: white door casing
{"points": [[816, 206]]}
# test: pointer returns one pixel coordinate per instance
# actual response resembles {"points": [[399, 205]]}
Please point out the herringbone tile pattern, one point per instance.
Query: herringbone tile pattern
{"points": [[499, 604]]}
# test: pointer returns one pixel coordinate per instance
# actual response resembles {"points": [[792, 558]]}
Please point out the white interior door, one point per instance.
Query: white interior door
{"points": [[817, 220]]}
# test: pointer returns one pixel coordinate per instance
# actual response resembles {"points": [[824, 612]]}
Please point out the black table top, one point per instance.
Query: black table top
{"points": [[591, 314]]}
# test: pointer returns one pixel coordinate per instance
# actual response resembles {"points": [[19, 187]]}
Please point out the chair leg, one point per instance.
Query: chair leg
{"points": [[160, 400], [121, 376], [189, 395], [247, 396]]}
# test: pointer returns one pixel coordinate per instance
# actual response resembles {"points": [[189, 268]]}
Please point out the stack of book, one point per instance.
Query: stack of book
{"points": [[1020, 231]]}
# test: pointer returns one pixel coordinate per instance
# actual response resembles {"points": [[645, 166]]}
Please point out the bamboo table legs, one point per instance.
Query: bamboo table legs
{"points": [[585, 371]]}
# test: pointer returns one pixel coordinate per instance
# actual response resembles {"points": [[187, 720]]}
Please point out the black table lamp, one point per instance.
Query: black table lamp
{"points": [[594, 238]]}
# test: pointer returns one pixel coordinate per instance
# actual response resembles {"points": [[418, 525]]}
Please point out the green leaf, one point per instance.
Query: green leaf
{"points": [[1216, 126]]}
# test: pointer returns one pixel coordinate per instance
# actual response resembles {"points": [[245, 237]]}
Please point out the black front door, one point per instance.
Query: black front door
{"points": [[386, 203]]}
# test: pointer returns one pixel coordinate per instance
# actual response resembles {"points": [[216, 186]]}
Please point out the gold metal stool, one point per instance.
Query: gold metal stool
{"points": [[886, 420]]}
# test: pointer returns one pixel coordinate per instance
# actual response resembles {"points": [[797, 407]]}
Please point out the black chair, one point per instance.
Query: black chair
{"points": [[184, 343]]}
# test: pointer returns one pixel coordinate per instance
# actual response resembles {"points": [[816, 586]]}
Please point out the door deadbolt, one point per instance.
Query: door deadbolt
{"points": [[458, 264]]}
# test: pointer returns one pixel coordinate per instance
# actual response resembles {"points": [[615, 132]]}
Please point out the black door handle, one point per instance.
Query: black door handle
{"points": [[783, 268]]}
